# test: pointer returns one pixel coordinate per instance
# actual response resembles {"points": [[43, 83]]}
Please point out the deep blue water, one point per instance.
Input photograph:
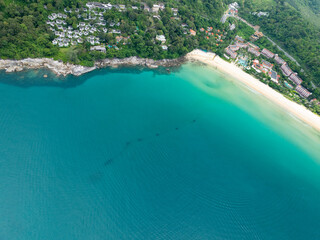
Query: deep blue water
{"points": [[141, 155]]}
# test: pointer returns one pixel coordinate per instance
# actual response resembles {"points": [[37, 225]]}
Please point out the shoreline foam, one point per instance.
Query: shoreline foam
{"points": [[235, 72]]}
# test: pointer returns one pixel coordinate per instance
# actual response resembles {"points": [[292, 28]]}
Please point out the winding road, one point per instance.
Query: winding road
{"points": [[255, 28]]}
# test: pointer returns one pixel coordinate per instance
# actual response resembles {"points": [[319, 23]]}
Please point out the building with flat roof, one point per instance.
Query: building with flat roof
{"points": [[234, 48], [302, 91], [286, 70], [278, 59], [267, 65], [265, 52], [295, 78], [242, 45], [231, 53], [98, 48], [274, 76], [254, 51]]}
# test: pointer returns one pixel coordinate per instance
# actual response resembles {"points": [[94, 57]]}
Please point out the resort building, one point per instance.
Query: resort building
{"points": [[234, 47], [294, 77], [265, 52], [302, 91], [257, 66], [253, 46], [254, 51], [274, 76], [231, 53], [278, 59], [256, 36], [266, 65], [286, 70], [242, 45], [239, 39]]}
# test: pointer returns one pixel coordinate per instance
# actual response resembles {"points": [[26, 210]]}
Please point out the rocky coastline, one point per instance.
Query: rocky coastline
{"points": [[64, 69]]}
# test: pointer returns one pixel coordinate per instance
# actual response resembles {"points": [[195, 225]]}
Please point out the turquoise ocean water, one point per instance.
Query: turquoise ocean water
{"points": [[132, 154]]}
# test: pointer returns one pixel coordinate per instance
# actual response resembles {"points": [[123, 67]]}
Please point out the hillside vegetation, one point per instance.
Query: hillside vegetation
{"points": [[289, 29], [309, 9], [24, 32]]}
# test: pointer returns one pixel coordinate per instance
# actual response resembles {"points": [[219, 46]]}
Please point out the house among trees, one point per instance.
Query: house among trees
{"points": [[122, 7], [164, 47], [162, 6], [256, 36], [192, 32], [161, 38], [91, 5], [175, 11], [101, 48]]}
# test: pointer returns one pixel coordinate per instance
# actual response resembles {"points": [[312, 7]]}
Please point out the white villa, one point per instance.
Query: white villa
{"points": [[161, 38]]}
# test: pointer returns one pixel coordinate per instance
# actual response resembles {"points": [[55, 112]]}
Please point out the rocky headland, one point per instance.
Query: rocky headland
{"points": [[64, 69]]}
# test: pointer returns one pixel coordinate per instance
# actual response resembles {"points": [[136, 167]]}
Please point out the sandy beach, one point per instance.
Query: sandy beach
{"points": [[231, 69]]}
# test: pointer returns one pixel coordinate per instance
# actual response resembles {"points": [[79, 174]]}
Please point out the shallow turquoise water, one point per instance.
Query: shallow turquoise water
{"points": [[139, 155]]}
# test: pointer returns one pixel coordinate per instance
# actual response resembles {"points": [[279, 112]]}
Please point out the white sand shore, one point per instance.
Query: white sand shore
{"points": [[231, 69]]}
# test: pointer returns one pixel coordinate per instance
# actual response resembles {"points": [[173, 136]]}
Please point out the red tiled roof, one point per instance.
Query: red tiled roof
{"points": [[267, 53]]}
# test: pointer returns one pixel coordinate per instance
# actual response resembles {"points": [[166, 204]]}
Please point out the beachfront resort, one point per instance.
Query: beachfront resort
{"points": [[86, 25], [248, 55], [260, 63]]}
